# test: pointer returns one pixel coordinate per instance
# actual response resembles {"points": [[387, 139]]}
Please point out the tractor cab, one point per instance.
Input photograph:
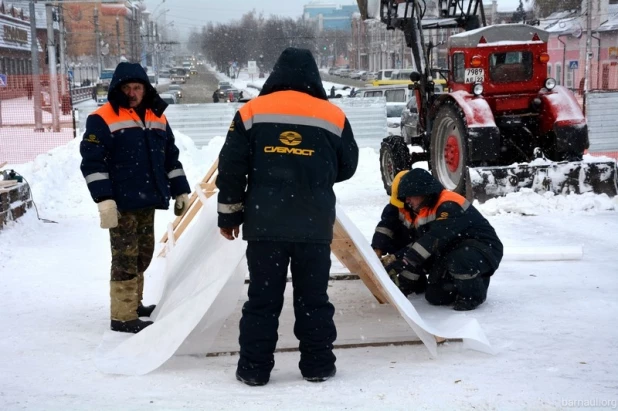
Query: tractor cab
{"points": [[500, 59]]}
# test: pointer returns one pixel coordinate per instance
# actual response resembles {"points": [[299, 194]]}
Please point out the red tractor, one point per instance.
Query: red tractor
{"points": [[503, 124]]}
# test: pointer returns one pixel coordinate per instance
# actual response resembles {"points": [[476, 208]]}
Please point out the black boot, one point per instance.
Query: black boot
{"points": [[470, 293], [322, 378], [145, 310], [253, 382], [132, 326]]}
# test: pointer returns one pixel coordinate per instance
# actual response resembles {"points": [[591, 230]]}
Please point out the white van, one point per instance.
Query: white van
{"points": [[392, 94], [384, 74]]}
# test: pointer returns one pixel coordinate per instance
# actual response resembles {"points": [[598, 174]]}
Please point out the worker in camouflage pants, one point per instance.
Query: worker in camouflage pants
{"points": [[131, 164], [132, 243]]}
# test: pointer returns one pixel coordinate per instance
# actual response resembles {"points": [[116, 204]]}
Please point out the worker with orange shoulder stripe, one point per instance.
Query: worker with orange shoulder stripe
{"points": [[283, 153], [130, 163], [451, 242]]}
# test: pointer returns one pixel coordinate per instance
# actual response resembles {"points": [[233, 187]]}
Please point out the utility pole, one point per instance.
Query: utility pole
{"points": [[118, 37], [63, 71], [151, 42], [36, 83], [97, 39], [588, 51], [53, 75], [156, 54]]}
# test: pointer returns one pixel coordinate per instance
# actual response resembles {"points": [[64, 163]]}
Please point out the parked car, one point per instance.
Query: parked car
{"points": [[394, 111], [175, 89], [223, 88], [369, 75], [409, 121], [357, 74], [168, 98]]}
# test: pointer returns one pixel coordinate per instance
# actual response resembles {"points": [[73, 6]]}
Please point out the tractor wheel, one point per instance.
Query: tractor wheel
{"points": [[394, 157], [449, 149]]}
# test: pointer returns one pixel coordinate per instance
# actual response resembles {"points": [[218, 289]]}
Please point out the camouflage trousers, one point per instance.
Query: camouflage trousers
{"points": [[132, 243]]}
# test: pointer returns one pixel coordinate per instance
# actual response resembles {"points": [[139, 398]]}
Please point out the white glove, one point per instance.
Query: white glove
{"points": [[182, 202], [108, 213]]}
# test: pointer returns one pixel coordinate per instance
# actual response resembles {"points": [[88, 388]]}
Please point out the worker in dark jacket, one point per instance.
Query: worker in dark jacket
{"points": [[391, 235], [130, 163], [453, 242], [283, 153]]}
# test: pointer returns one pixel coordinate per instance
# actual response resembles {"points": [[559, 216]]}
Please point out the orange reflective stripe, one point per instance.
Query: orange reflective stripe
{"points": [[293, 107], [427, 215], [128, 119]]}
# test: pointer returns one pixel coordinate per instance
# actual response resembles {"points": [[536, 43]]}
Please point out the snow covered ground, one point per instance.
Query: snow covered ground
{"points": [[552, 323]]}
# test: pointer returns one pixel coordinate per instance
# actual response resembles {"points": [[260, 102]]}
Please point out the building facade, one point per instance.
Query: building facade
{"points": [[330, 16], [15, 41], [567, 47], [104, 32]]}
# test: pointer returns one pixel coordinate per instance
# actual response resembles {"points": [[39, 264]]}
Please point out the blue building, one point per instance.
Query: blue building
{"points": [[330, 16]]}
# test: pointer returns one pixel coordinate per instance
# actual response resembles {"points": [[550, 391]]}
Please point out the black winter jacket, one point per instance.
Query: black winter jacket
{"points": [[128, 157], [283, 153]]}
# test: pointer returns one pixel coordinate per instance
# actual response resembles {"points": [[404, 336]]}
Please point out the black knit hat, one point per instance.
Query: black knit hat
{"points": [[418, 182]]}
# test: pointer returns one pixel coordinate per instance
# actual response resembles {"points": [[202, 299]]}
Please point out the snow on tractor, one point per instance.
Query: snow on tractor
{"points": [[502, 125]]}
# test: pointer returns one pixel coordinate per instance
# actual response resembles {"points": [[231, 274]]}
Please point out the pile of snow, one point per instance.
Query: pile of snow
{"points": [[527, 202]]}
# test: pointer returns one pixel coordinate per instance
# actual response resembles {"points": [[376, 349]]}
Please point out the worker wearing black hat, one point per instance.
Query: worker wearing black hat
{"points": [[449, 240], [130, 163]]}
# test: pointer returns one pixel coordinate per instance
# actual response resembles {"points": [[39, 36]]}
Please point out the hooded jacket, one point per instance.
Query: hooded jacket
{"points": [[282, 155], [439, 227], [129, 155]]}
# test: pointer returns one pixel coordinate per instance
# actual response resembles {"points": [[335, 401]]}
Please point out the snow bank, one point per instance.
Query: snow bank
{"points": [[527, 202]]}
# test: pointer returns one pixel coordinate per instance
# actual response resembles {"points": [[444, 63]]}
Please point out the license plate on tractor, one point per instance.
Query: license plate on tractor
{"points": [[474, 75]]}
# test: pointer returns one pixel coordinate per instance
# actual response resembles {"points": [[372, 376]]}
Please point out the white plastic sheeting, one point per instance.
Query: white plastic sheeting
{"points": [[204, 277]]}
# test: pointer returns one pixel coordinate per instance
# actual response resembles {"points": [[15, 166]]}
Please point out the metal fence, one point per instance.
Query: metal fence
{"points": [[601, 110], [202, 122], [26, 132]]}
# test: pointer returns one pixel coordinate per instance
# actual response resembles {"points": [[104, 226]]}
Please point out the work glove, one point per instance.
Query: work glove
{"points": [[182, 202], [406, 276], [387, 259], [397, 266], [108, 212]]}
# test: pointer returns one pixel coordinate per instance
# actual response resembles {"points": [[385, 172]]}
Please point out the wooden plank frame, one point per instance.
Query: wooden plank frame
{"points": [[342, 246], [180, 223]]}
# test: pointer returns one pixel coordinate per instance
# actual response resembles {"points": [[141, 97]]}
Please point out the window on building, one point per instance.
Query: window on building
{"points": [[569, 78], [549, 70], [559, 74]]}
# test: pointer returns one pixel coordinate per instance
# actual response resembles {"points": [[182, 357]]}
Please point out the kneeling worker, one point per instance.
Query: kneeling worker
{"points": [[452, 242]]}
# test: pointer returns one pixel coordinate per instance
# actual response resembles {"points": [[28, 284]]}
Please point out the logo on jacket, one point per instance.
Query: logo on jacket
{"points": [[290, 138], [443, 216], [92, 139]]}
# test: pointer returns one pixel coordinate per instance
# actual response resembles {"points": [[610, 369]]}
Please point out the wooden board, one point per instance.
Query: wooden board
{"points": [[347, 253], [180, 224], [360, 321], [7, 183]]}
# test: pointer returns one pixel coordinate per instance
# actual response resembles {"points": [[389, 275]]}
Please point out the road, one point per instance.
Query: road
{"points": [[198, 89]]}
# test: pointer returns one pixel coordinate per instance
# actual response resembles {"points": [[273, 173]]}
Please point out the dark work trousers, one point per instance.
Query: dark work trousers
{"points": [[314, 327], [463, 272]]}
